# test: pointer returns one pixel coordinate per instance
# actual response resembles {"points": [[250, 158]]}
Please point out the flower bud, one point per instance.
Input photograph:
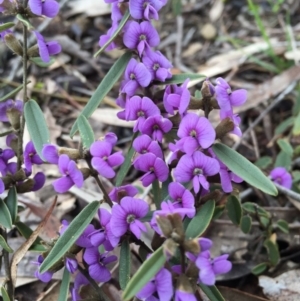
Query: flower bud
{"points": [[13, 44], [25, 186], [192, 246], [170, 247], [86, 172], [72, 153], [20, 175], [33, 51], [157, 241], [184, 285], [224, 127], [14, 116], [165, 225]]}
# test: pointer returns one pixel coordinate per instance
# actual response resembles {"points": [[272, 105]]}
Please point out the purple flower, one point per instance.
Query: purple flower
{"points": [[104, 235], [79, 281], [10, 105], [158, 65], [210, 268], [154, 168], [105, 37], [48, 8], [84, 239], [182, 197], [46, 48], [145, 9], [235, 119], [196, 168], [97, 264], [50, 153], [39, 181], [184, 296], [31, 156], [119, 192], [204, 243], [140, 109], [281, 176], [126, 216], [156, 126], [226, 98], [136, 75], [177, 98], [161, 284], [2, 186], [5, 155], [111, 138], [44, 277], [71, 265], [103, 161], [116, 14], [194, 132], [71, 175], [144, 144], [140, 36]]}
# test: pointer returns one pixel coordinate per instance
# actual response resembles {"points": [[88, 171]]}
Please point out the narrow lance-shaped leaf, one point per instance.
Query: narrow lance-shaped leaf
{"points": [[5, 218], [212, 292], [86, 131], [12, 93], [39, 62], [5, 245], [260, 268], [272, 251], [64, 287], [12, 203], [105, 86], [70, 236], [201, 220], [125, 264], [118, 30], [6, 26], [244, 168], [4, 294], [36, 125], [180, 78], [144, 274], [234, 209]]}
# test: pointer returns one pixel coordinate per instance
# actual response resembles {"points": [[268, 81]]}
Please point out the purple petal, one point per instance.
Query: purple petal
{"points": [[53, 47], [102, 167], [99, 273], [63, 163], [164, 285], [238, 97], [135, 206], [118, 223], [115, 159], [63, 184], [49, 152], [75, 174], [35, 6], [50, 8]]}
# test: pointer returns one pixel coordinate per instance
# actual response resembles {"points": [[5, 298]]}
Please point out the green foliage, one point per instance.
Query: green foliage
{"points": [[25, 21], [285, 146], [105, 86], [244, 168], [125, 264], [64, 287], [180, 78], [11, 202], [218, 211], [246, 224], [85, 131], [234, 209], [260, 268], [5, 218], [39, 62], [144, 274], [296, 128], [36, 125], [5, 245], [114, 35], [176, 7], [212, 292], [156, 193], [272, 251], [6, 26], [283, 226], [4, 294], [263, 162], [11, 94], [283, 159], [284, 125], [201, 220], [65, 241]]}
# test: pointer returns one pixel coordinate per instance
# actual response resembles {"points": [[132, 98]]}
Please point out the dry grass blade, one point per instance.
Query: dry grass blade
{"points": [[20, 253]]}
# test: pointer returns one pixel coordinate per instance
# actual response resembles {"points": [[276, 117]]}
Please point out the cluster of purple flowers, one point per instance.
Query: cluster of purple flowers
{"points": [[38, 8]]}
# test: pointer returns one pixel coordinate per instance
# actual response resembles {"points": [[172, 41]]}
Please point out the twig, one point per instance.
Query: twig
{"points": [[276, 101], [290, 193]]}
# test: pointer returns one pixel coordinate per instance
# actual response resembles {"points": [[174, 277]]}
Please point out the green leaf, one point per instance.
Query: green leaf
{"points": [[201, 220], [36, 125], [5, 218], [211, 292], [6, 26], [4, 245], [283, 160], [272, 251], [117, 31], [263, 162], [105, 86], [25, 21], [283, 126], [260, 268], [25, 231], [218, 211], [127, 163], [156, 193], [165, 187], [11, 94], [12, 203], [39, 62], [180, 78], [234, 209], [125, 264], [296, 128], [64, 287], [283, 226], [253, 208], [244, 168], [74, 230], [144, 274], [285, 146], [86, 131], [246, 224], [176, 7], [4, 294]]}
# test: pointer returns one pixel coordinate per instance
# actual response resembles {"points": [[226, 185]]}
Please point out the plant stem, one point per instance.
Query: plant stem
{"points": [[4, 134], [21, 132], [9, 281]]}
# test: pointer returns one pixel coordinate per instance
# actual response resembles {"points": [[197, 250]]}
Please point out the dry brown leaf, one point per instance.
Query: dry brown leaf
{"points": [[91, 8], [20, 253], [216, 10], [282, 288], [232, 294], [192, 49]]}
